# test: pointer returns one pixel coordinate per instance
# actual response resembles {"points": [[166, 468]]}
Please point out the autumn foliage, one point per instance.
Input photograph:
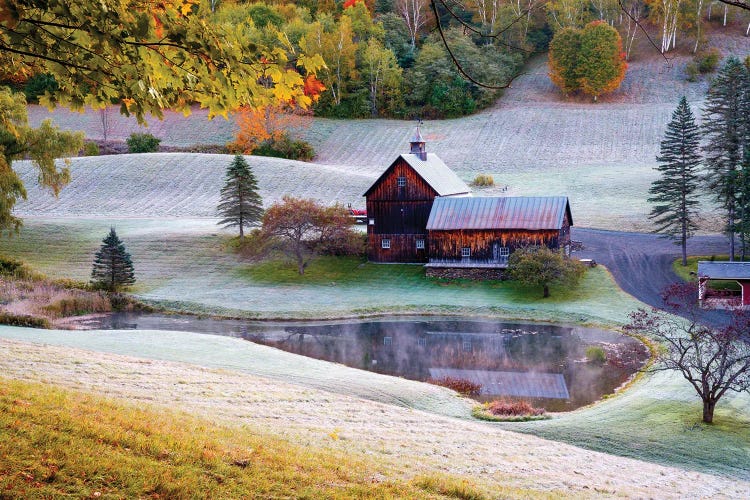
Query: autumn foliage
{"points": [[503, 408], [590, 60], [460, 385], [258, 125]]}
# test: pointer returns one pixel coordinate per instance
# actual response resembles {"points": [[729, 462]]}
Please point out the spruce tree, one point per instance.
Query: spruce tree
{"points": [[240, 204], [113, 268], [674, 193], [726, 123]]}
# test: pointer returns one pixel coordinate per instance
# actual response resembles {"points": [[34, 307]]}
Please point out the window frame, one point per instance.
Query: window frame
{"points": [[385, 243], [420, 244], [401, 181], [465, 252]]}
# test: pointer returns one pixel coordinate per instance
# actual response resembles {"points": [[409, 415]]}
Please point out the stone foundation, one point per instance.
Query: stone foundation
{"points": [[465, 273]]}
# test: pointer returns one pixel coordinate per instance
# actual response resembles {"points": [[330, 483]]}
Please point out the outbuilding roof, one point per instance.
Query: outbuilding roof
{"points": [[529, 213], [435, 173], [724, 270]]}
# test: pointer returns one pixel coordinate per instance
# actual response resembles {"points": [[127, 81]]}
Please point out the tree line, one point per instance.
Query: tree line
{"points": [[713, 158]]}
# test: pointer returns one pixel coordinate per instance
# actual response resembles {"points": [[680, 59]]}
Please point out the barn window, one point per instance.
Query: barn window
{"points": [[420, 244], [387, 340], [422, 342], [385, 243], [372, 222], [465, 252], [467, 345], [401, 181], [504, 251]]}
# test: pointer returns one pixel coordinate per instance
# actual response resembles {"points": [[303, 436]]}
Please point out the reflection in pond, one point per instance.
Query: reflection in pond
{"points": [[544, 364]]}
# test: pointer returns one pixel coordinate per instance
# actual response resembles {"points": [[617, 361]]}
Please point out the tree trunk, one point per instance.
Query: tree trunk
{"points": [[546, 291], [708, 411]]}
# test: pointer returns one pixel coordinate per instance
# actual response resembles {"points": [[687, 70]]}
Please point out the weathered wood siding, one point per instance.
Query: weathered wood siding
{"points": [[446, 245], [400, 214]]}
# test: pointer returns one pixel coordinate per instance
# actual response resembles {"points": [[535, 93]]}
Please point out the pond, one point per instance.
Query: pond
{"points": [[544, 364]]}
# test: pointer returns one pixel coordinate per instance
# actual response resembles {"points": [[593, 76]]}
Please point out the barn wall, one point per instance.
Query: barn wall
{"points": [[400, 214], [447, 244], [403, 248]]}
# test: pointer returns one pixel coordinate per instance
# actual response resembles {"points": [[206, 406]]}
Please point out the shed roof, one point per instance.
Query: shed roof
{"points": [[529, 213], [435, 173], [724, 270]]}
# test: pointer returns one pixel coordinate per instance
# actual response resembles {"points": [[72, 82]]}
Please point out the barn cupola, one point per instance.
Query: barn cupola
{"points": [[418, 145]]}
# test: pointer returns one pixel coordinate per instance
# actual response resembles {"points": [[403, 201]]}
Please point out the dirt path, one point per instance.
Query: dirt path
{"points": [[407, 441]]}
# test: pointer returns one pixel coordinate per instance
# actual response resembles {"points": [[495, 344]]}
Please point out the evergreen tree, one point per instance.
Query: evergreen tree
{"points": [[726, 123], [240, 204], [113, 268], [674, 193]]}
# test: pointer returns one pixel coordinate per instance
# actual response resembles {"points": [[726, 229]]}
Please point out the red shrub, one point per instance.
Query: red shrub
{"points": [[513, 408], [460, 385]]}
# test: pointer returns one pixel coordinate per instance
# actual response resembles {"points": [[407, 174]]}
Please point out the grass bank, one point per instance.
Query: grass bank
{"points": [[57, 442], [689, 272]]}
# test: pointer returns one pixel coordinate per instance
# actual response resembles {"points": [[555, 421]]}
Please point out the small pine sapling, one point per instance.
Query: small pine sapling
{"points": [[240, 204], [113, 268]]}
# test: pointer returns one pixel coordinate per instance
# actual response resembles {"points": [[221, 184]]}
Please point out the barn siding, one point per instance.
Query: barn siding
{"points": [[446, 245], [399, 214]]}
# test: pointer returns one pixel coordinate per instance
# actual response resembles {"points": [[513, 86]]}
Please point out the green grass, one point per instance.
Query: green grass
{"points": [[692, 267], [56, 443]]}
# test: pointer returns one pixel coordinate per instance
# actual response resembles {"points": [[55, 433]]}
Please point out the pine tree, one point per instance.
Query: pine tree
{"points": [[113, 268], [240, 204], [674, 193], [726, 123]]}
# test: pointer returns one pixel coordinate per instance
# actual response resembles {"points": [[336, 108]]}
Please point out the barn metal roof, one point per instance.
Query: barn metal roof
{"points": [[724, 270], [530, 213], [435, 173]]}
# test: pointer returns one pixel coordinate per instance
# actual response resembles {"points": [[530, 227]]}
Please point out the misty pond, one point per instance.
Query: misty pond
{"points": [[541, 363]]}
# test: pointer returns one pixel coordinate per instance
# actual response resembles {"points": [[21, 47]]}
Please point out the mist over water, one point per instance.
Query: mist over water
{"points": [[543, 364]]}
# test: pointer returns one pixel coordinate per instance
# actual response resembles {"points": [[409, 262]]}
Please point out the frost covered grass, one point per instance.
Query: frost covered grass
{"points": [[184, 264]]}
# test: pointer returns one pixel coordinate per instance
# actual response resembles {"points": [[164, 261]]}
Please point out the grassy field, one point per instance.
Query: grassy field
{"points": [[62, 443], [184, 264]]}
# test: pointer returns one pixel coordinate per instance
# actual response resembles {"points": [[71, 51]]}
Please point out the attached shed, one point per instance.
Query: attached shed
{"points": [[483, 232], [400, 200], [724, 272]]}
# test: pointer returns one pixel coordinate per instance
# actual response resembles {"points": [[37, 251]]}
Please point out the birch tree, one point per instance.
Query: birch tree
{"points": [[414, 14]]}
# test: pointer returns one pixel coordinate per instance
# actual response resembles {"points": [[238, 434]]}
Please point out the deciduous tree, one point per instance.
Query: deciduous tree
{"points": [[675, 192], [540, 266], [240, 205], [563, 60], [113, 268], [42, 145], [715, 361], [601, 62], [303, 227]]}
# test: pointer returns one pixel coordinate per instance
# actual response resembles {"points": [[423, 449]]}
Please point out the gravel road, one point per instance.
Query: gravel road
{"points": [[642, 263]]}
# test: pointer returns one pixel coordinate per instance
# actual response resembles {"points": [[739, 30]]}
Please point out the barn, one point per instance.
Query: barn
{"points": [[420, 211], [400, 200]]}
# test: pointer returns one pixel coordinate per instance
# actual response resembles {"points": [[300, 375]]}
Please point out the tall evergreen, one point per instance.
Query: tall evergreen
{"points": [[240, 204], [726, 123], [674, 193], [113, 268]]}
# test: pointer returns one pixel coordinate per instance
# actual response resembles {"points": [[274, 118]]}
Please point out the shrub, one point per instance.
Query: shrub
{"points": [[23, 320], [595, 354], [460, 385], [483, 180], [285, 147], [707, 61], [142, 143], [90, 149], [77, 304], [692, 72], [14, 268], [504, 408]]}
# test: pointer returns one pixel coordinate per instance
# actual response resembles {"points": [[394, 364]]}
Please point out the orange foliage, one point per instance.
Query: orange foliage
{"points": [[313, 87], [256, 125]]}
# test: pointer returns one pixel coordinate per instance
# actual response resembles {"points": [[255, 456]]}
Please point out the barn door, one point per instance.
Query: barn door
{"points": [[496, 251]]}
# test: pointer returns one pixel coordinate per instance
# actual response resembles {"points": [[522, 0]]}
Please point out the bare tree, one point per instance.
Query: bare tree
{"points": [[105, 120], [414, 14], [714, 360]]}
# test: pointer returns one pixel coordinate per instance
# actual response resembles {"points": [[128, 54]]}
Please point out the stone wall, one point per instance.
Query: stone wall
{"points": [[470, 273]]}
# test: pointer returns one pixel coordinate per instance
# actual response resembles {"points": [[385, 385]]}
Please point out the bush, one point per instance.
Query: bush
{"points": [[707, 61], [285, 147], [23, 320], [483, 180], [14, 268], [692, 72], [77, 304], [91, 149], [595, 354], [142, 143], [503, 408], [460, 385]]}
